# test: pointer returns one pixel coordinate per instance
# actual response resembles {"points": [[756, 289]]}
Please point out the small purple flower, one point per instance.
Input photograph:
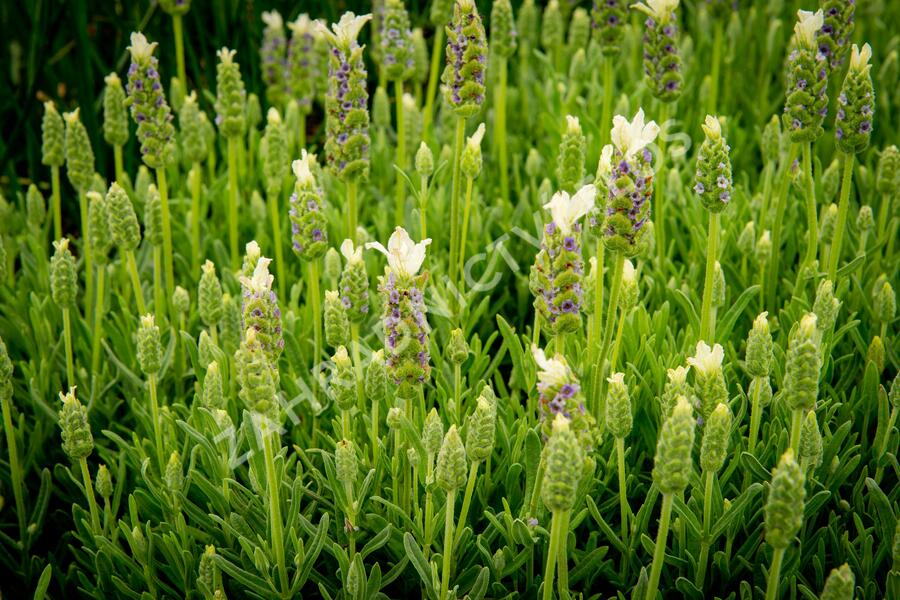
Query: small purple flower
{"points": [[570, 244], [699, 188], [551, 228], [317, 235], [865, 127], [722, 182]]}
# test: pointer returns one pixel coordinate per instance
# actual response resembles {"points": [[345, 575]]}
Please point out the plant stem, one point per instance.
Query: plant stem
{"points": [[660, 177], [843, 208], [57, 204], [98, 322], [796, 425], [659, 552], [448, 543], [774, 574], [623, 497], [713, 97], [157, 426], [811, 215], [436, 51], [275, 522], [607, 332], [167, 233], [783, 190], [429, 506], [351, 211], [457, 393], [707, 522], [467, 210], [117, 161], [423, 206], [88, 262], [136, 282], [620, 330], [562, 558], [159, 305], [500, 125], [552, 555], [454, 201], [274, 214], [755, 413], [706, 332], [195, 177], [67, 333], [15, 469], [606, 110], [89, 494], [399, 184], [233, 200], [315, 304], [536, 490], [301, 132], [179, 48], [467, 501]]}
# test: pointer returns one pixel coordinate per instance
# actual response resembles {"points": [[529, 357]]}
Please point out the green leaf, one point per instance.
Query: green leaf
{"points": [[420, 564]]}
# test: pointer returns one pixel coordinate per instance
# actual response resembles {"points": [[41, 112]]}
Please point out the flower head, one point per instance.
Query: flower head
{"points": [[604, 166], [140, 48], [273, 19], [707, 360], [712, 127], [808, 24], [859, 57], [678, 375], [474, 140], [552, 371], [303, 168], [343, 34], [261, 281], [632, 137], [659, 10], [566, 210], [351, 253], [405, 257]]}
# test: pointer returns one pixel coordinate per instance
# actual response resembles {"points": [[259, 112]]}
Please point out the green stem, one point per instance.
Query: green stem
{"points": [[623, 496], [275, 215], [467, 501], [15, 469], [659, 221], [89, 494], [706, 332], [345, 424], [796, 425], [783, 190], [357, 366], [436, 52], [448, 543], [467, 210], [707, 522], [659, 552], [617, 346], [774, 574], [376, 451], [811, 214], [562, 561], [843, 208], [98, 322], [607, 331], [233, 200], [716, 65], [597, 320], [454, 200], [159, 305], [67, 333], [884, 442], [136, 282], [117, 161], [301, 132], [768, 175], [755, 413], [351, 210], [606, 110], [157, 426], [88, 262], [429, 507], [500, 125], [179, 48], [316, 304], [399, 184], [457, 393], [195, 177], [423, 206], [57, 204], [167, 233], [275, 522], [536, 490], [552, 555]]}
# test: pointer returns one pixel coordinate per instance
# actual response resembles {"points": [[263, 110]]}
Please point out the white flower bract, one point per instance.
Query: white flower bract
{"points": [[632, 137], [303, 168], [707, 360], [351, 253], [660, 10], [551, 371], [808, 25], [344, 33], [140, 48], [859, 57], [566, 210], [262, 279], [404, 256]]}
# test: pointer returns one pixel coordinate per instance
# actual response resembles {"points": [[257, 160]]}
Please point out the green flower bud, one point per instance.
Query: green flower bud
{"points": [[875, 354], [276, 158], [840, 582], [142, 183], [533, 163], [714, 447], [148, 104], [98, 227], [676, 386], [206, 572], [662, 60], [332, 269], [209, 296], [115, 118], [450, 472], [784, 506], [441, 12], [579, 31], [174, 475], [181, 301], [764, 248], [255, 377], [552, 27], [758, 359], [396, 42], [810, 450], [78, 443], [713, 176], [354, 285], [381, 108], [884, 302], [177, 94], [337, 327], [853, 126], [630, 291], [175, 7], [802, 365], [231, 322], [718, 286], [570, 160], [887, 175], [6, 372], [252, 254], [138, 545], [481, 426], [709, 382], [345, 462], [424, 160], [79, 154], [394, 417], [153, 217], [52, 137], [260, 310], [608, 20], [458, 349], [149, 349], [35, 208], [207, 351], [828, 218], [806, 101], [123, 223], [213, 396], [104, 484], [894, 396], [413, 119], [466, 51], [273, 57], [432, 432], [826, 306], [865, 220], [308, 222], [343, 380], [503, 29], [193, 141], [746, 242], [231, 97], [564, 460], [63, 278], [420, 57], [376, 377], [618, 407], [672, 466]]}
